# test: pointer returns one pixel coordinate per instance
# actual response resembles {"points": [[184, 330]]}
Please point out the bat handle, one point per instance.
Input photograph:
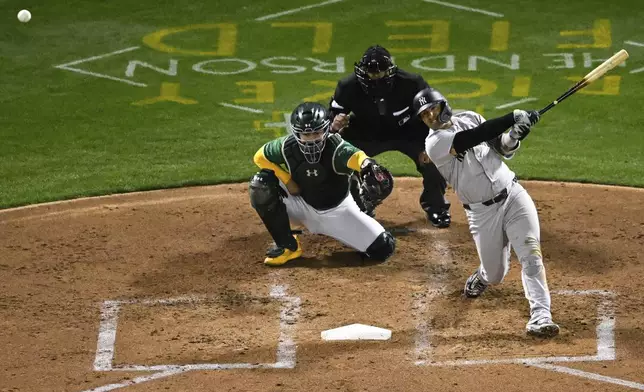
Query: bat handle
{"points": [[581, 84], [550, 106]]}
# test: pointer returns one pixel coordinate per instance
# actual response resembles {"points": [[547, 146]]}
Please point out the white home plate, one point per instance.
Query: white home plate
{"points": [[356, 332]]}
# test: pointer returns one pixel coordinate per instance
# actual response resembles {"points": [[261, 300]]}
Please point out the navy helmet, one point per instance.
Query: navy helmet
{"points": [[428, 98]]}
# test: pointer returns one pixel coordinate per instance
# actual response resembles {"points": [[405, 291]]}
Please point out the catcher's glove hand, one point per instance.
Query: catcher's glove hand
{"points": [[376, 183]]}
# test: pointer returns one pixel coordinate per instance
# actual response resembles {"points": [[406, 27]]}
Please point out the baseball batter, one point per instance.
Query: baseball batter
{"points": [[468, 151], [305, 177]]}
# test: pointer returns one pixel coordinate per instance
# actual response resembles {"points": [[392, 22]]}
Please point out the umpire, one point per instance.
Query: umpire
{"points": [[372, 109]]}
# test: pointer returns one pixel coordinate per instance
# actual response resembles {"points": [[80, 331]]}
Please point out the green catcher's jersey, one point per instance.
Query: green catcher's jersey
{"points": [[324, 184]]}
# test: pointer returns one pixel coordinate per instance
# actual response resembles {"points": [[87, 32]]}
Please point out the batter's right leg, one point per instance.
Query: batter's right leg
{"points": [[522, 225], [264, 191], [486, 226]]}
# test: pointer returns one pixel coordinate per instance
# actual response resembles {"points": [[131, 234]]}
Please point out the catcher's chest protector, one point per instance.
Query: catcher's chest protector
{"points": [[322, 188]]}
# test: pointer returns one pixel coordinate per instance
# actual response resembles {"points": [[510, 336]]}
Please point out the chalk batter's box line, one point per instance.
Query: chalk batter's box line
{"points": [[286, 348], [605, 338]]}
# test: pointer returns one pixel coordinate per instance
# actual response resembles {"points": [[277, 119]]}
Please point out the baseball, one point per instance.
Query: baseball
{"points": [[24, 16]]}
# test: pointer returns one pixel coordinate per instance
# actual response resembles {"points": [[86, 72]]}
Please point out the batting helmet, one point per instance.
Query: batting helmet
{"points": [[428, 98]]}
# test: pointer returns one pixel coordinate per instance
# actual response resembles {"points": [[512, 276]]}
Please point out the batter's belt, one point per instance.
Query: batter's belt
{"points": [[496, 199]]}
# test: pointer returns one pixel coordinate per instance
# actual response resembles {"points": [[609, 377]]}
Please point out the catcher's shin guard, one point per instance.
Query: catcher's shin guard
{"points": [[265, 197]]}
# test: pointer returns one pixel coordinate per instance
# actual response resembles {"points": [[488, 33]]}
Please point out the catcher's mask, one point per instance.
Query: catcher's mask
{"points": [[310, 125], [376, 71], [432, 107]]}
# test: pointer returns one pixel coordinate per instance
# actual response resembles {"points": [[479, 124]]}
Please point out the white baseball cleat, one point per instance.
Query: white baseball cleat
{"points": [[542, 327]]}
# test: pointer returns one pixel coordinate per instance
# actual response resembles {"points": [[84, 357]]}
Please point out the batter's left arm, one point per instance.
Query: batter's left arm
{"points": [[504, 145], [508, 143]]}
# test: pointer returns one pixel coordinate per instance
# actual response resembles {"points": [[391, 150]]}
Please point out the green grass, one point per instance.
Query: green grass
{"points": [[64, 135]]}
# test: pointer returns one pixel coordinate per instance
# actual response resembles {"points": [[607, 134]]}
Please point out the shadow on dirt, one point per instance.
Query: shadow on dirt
{"points": [[339, 259]]}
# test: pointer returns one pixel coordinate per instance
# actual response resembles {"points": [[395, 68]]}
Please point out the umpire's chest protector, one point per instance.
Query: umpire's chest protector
{"points": [[322, 187]]}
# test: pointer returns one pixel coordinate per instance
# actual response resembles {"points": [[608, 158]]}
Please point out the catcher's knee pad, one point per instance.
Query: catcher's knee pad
{"points": [[532, 265], [382, 247], [264, 191]]}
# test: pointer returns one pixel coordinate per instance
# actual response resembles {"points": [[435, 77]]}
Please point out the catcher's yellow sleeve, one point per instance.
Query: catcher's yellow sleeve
{"points": [[263, 162], [356, 160]]}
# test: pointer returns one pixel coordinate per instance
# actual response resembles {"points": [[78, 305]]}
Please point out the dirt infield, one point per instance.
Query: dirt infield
{"points": [[166, 290]]}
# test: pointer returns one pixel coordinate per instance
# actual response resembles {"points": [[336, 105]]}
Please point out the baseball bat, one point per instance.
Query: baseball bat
{"points": [[593, 75]]}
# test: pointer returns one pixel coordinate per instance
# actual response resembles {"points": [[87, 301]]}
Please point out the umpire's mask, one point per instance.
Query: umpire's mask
{"points": [[376, 71]]}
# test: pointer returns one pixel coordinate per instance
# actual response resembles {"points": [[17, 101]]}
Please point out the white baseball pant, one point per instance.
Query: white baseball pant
{"points": [[515, 222]]}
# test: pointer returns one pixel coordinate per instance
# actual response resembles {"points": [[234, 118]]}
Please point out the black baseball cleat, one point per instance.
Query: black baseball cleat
{"points": [[441, 219], [474, 286]]}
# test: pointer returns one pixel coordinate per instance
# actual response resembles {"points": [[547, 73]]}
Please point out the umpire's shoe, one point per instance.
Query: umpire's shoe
{"points": [[474, 286], [277, 255], [441, 219]]}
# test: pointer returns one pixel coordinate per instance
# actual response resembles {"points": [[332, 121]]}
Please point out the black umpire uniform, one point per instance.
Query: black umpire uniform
{"points": [[379, 98]]}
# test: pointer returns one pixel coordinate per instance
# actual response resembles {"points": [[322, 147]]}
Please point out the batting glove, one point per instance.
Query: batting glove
{"points": [[519, 131], [529, 118]]}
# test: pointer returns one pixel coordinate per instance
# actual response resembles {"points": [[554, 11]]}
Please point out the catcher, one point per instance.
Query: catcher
{"points": [[305, 177]]}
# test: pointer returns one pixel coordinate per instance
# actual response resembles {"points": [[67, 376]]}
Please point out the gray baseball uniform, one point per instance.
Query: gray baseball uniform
{"points": [[479, 176]]}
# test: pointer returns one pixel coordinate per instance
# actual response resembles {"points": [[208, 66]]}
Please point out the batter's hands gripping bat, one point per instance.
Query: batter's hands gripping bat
{"points": [[593, 75]]}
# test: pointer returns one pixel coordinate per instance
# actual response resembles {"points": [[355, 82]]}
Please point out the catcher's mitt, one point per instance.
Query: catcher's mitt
{"points": [[376, 183]]}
